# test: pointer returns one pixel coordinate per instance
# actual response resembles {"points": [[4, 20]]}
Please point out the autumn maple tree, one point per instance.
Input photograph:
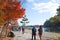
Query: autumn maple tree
{"points": [[11, 10]]}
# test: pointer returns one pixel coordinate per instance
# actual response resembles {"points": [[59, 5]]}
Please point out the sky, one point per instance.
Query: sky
{"points": [[38, 11]]}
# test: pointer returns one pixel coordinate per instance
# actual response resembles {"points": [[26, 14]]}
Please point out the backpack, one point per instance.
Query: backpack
{"points": [[34, 30], [40, 30]]}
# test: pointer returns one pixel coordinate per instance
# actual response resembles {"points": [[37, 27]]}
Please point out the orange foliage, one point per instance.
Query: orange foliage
{"points": [[12, 10], [2, 3]]}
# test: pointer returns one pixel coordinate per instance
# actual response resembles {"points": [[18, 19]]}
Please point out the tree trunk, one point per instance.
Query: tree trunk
{"points": [[3, 33]]}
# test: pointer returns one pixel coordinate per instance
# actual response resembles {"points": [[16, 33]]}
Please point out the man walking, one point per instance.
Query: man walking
{"points": [[33, 33]]}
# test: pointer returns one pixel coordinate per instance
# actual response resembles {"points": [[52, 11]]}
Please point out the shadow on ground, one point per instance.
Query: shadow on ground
{"points": [[31, 39]]}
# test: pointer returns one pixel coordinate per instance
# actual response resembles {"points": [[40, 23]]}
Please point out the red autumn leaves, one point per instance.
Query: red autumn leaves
{"points": [[11, 10]]}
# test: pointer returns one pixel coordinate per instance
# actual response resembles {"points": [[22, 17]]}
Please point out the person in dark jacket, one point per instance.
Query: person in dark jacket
{"points": [[33, 33]]}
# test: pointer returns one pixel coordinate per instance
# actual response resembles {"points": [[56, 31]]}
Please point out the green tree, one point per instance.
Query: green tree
{"points": [[58, 11], [54, 22], [56, 17]]}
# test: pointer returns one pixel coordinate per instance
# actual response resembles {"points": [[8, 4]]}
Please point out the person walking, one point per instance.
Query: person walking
{"points": [[23, 30], [40, 32], [33, 33], [19, 28]]}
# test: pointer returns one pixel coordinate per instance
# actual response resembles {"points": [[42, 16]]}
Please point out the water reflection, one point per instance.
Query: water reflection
{"points": [[44, 29]]}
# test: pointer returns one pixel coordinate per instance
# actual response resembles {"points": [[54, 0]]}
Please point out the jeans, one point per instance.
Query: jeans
{"points": [[33, 37]]}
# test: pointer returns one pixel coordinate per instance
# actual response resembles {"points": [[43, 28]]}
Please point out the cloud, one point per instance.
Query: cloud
{"points": [[50, 7], [54, 1], [30, 0]]}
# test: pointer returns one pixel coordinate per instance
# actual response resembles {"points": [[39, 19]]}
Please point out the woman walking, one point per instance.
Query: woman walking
{"points": [[40, 32]]}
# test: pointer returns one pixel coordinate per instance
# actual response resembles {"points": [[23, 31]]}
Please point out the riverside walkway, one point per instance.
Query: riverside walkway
{"points": [[27, 35]]}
